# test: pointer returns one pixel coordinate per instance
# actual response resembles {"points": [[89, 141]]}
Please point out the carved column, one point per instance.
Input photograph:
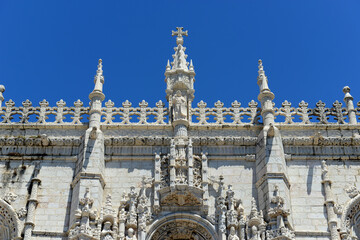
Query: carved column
{"points": [[221, 211], [122, 217], [172, 164], [329, 202], [205, 183], [348, 99], [32, 203], [190, 163], [157, 183]]}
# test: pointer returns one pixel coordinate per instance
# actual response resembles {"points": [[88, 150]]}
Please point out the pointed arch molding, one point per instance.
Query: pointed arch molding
{"points": [[350, 211], [183, 224], [9, 222]]}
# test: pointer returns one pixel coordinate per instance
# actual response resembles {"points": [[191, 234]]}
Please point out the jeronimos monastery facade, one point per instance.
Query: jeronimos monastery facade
{"points": [[181, 170]]}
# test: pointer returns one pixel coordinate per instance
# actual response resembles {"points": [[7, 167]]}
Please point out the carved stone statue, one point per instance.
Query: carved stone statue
{"points": [[131, 234], [232, 235], [180, 109], [106, 232], [255, 233]]}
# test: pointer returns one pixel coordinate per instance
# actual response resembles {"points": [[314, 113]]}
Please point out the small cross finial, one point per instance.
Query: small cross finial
{"points": [[179, 35]]}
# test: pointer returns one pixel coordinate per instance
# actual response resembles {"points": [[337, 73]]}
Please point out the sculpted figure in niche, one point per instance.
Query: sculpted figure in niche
{"points": [[180, 109], [232, 235], [255, 233], [106, 232], [131, 234]]}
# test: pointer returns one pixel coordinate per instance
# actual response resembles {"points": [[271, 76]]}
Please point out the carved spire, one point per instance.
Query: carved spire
{"points": [[96, 97], [179, 58], [191, 68], [168, 68], [99, 78], [262, 79], [179, 78], [265, 96]]}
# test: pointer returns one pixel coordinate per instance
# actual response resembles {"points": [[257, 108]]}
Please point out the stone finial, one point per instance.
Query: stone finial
{"points": [[191, 67], [98, 81], [99, 78], [348, 99], [346, 91], [262, 79], [2, 89], [179, 35], [168, 68]]}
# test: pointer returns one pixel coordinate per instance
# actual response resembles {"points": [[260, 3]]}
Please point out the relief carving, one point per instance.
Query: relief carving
{"points": [[180, 199]]}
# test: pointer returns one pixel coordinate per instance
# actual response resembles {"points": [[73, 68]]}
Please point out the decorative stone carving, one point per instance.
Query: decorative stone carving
{"points": [[143, 207], [179, 109], [132, 215], [278, 218], [22, 212], [231, 214], [178, 199], [10, 197], [165, 174], [85, 219], [131, 234], [232, 234], [9, 222], [338, 209], [287, 111], [221, 210], [106, 233], [181, 229], [352, 191]]}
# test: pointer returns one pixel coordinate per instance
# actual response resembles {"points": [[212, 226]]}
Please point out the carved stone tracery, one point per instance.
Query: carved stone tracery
{"points": [[181, 230], [9, 222]]}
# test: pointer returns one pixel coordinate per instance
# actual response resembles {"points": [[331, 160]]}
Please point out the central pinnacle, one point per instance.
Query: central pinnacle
{"points": [[179, 35]]}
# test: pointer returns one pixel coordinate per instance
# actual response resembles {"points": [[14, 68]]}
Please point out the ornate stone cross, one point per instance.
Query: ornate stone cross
{"points": [[179, 35]]}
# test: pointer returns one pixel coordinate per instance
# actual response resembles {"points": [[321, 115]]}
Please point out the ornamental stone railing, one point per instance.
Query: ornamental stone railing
{"points": [[28, 114], [159, 115]]}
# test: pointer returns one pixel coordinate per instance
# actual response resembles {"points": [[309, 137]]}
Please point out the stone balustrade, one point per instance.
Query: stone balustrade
{"points": [[159, 115]]}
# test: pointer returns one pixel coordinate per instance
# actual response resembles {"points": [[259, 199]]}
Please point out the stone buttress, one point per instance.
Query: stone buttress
{"points": [[89, 172], [271, 169]]}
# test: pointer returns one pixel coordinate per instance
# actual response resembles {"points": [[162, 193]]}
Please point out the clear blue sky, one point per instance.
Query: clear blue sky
{"points": [[49, 49]]}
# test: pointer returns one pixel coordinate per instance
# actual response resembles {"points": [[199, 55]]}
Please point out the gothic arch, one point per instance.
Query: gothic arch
{"points": [[350, 218], [9, 222], [181, 226]]}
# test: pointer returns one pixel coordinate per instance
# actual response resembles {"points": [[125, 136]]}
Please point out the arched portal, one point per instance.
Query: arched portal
{"points": [[9, 223], [181, 227]]}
